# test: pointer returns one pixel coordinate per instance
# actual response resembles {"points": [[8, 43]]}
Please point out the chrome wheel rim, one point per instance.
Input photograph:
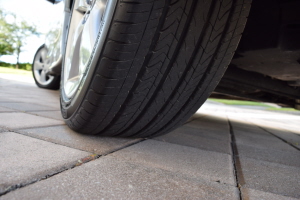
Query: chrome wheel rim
{"points": [[84, 38], [41, 68]]}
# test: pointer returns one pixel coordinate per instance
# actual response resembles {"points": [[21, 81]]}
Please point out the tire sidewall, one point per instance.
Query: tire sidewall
{"points": [[69, 106]]}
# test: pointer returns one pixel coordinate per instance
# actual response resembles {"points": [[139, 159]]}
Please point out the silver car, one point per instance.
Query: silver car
{"points": [[141, 68]]}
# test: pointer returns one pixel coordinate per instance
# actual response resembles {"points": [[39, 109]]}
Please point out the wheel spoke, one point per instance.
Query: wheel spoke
{"points": [[44, 55], [87, 24], [82, 6], [38, 65], [72, 57], [43, 76], [90, 32], [71, 84]]}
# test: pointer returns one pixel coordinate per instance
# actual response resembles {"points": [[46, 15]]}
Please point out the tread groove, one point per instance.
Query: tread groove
{"points": [[162, 59]]}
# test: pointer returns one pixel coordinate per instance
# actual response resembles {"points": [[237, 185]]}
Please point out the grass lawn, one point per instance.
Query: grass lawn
{"points": [[283, 109], [6, 70], [241, 103], [252, 103]]}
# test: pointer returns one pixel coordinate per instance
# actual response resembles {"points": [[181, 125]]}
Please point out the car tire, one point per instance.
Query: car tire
{"points": [[41, 79], [159, 62]]}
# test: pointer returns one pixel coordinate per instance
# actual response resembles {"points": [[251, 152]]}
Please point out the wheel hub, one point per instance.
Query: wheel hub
{"points": [[41, 68]]}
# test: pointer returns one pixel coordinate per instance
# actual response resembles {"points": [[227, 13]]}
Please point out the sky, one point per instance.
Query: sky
{"points": [[39, 12]]}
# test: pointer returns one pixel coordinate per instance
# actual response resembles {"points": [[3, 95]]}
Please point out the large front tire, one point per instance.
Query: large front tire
{"points": [[156, 64]]}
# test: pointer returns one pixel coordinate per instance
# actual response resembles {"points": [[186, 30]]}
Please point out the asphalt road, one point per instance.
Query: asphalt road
{"points": [[222, 152]]}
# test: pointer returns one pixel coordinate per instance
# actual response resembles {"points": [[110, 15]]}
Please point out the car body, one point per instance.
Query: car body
{"points": [[265, 66]]}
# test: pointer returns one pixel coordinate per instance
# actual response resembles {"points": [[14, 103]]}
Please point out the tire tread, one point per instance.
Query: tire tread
{"points": [[162, 60]]}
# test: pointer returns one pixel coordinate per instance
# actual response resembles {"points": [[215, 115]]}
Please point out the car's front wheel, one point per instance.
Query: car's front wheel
{"points": [[143, 67]]}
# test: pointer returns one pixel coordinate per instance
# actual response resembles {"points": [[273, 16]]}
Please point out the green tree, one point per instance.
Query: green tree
{"points": [[14, 35], [22, 30], [6, 39]]}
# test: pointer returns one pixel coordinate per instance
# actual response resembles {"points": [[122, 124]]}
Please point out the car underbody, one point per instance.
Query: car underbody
{"points": [[266, 65]]}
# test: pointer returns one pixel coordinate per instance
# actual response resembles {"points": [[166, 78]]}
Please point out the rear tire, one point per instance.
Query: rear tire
{"points": [[39, 71], [160, 61]]}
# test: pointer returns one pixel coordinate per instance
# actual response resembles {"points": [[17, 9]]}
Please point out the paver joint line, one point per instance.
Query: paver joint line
{"points": [[30, 127], [285, 141], [30, 112], [19, 131], [238, 173], [16, 131], [76, 163], [72, 166]]}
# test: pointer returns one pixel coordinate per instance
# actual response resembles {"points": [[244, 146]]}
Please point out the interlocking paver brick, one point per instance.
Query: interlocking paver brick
{"points": [[111, 178], [27, 106], [3, 109], [288, 136], [198, 129], [259, 142], [190, 161], [26, 159], [279, 123], [50, 101], [271, 177], [252, 134], [3, 130], [211, 122], [49, 114], [23, 120], [245, 127], [252, 194], [65, 136], [192, 137], [271, 155]]}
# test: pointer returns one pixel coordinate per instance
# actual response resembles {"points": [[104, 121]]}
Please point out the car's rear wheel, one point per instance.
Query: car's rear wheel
{"points": [[40, 70], [142, 67]]}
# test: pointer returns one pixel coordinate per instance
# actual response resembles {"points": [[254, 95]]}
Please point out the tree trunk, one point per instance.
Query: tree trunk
{"points": [[18, 56]]}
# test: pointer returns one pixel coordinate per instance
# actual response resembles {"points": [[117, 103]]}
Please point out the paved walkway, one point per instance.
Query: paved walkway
{"points": [[223, 152]]}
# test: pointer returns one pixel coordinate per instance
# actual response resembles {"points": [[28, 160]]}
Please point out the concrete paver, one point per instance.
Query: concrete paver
{"points": [[280, 124], [210, 129], [292, 158], [288, 136], [26, 159], [213, 125], [49, 114], [194, 161], [3, 109], [267, 163], [3, 130], [182, 136], [111, 178], [26, 106], [252, 194], [243, 135], [271, 177], [270, 142], [23, 120], [33, 99], [65, 136], [275, 120], [189, 161]]}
